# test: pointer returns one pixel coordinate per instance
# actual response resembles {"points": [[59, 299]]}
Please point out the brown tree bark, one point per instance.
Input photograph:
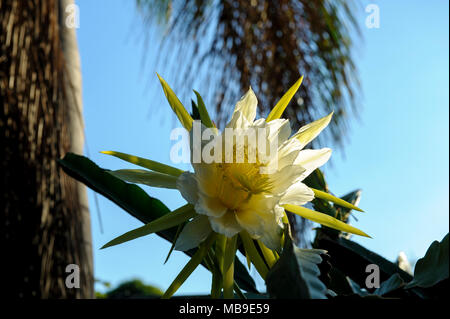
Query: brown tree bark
{"points": [[44, 214]]}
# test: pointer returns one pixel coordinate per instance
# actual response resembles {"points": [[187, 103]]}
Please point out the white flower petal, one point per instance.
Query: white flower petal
{"points": [[187, 185], [272, 236], [298, 194], [210, 206], [287, 153], [207, 176], [312, 159], [193, 233], [260, 220], [279, 214], [226, 225], [284, 178], [247, 105], [238, 120], [276, 133], [259, 122], [279, 128]]}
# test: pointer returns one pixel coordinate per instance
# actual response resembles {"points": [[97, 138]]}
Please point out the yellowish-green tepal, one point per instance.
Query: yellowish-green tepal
{"points": [[230, 199]]}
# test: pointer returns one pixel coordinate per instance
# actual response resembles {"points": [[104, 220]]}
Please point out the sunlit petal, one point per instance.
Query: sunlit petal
{"points": [[297, 194], [312, 159], [193, 233]]}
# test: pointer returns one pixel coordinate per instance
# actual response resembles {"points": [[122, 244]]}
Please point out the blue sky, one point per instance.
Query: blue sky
{"points": [[397, 151]]}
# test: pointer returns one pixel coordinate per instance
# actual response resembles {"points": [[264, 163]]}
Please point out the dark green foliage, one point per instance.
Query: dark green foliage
{"points": [[433, 267], [349, 261], [296, 274], [131, 289], [337, 269]]}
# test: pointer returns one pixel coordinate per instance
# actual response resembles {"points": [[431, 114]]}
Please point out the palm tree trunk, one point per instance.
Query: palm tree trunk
{"points": [[44, 217], [73, 85]]}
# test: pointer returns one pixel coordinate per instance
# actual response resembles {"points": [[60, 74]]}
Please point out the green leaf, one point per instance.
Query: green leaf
{"points": [[204, 116], [316, 180], [174, 218], [281, 105], [338, 282], [135, 201], [252, 252], [193, 263], [323, 219], [140, 176], [394, 282], [129, 197], [433, 267], [146, 163], [296, 274], [177, 106], [357, 288], [337, 201], [351, 259]]}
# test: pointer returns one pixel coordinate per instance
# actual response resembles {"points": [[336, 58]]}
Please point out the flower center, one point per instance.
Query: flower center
{"points": [[239, 182]]}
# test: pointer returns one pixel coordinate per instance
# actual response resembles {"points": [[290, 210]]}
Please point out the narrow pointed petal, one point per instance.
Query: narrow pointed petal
{"points": [[146, 163], [169, 220], [268, 254], [204, 115], [324, 219], [174, 241], [228, 267], [249, 263], [177, 107], [193, 233], [337, 201], [310, 131], [220, 250], [140, 176], [252, 252], [190, 267], [279, 108]]}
